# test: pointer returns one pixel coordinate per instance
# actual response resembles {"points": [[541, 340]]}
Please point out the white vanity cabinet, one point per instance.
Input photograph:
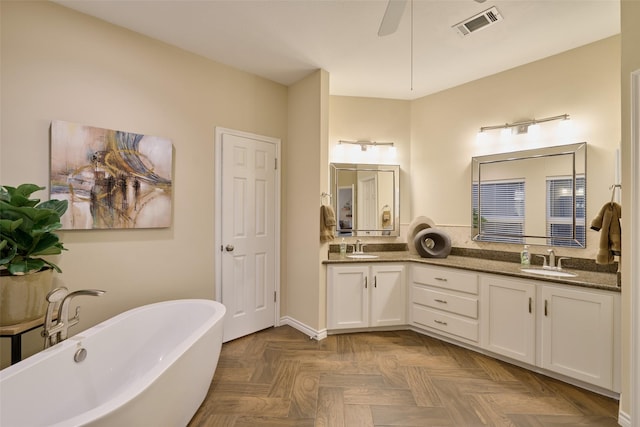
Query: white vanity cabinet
{"points": [[571, 332], [445, 300], [578, 333], [508, 317], [366, 295], [565, 329]]}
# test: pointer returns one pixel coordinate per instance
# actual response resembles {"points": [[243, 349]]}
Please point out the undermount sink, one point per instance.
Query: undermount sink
{"points": [[543, 272], [362, 256]]}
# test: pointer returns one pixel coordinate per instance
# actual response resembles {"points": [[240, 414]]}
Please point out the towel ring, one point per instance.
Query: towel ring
{"points": [[323, 196], [613, 190]]}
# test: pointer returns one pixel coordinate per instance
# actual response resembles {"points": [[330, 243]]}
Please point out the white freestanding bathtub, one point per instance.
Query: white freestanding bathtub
{"points": [[151, 366]]}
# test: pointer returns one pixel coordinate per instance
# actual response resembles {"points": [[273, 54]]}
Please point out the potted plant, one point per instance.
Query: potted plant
{"points": [[26, 235]]}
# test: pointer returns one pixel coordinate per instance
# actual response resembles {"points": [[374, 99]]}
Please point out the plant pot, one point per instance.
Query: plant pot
{"points": [[24, 298]]}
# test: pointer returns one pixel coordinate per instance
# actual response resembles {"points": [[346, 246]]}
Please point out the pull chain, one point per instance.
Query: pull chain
{"points": [[411, 46]]}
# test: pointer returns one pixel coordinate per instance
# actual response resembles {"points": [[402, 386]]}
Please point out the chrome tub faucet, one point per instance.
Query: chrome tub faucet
{"points": [[56, 329]]}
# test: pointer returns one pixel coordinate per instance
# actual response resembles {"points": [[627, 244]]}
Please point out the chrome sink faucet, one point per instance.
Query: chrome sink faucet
{"points": [[552, 258], [358, 247], [57, 329]]}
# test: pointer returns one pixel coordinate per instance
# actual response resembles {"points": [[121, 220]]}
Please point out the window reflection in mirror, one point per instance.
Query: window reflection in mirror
{"points": [[366, 199], [533, 196]]}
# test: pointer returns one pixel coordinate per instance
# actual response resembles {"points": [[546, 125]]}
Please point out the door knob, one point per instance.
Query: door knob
{"points": [[229, 248]]}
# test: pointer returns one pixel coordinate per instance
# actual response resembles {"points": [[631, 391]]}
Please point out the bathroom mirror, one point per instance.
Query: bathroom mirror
{"points": [[531, 197], [366, 199]]}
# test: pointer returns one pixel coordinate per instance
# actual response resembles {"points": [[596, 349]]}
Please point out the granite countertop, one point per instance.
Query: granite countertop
{"points": [[590, 279]]}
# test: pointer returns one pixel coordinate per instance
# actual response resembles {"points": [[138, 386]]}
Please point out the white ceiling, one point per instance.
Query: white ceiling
{"points": [[285, 40]]}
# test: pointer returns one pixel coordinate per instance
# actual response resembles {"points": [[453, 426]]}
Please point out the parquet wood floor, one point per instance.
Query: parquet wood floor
{"points": [[279, 377]]}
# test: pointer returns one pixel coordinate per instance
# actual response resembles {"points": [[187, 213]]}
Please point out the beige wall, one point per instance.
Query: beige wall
{"points": [[374, 119], [306, 168], [583, 83], [630, 14], [59, 64]]}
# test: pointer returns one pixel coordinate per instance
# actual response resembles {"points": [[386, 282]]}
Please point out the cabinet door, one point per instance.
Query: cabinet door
{"points": [[577, 334], [347, 297], [388, 295], [508, 313]]}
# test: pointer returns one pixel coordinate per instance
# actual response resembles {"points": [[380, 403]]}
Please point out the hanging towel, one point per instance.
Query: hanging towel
{"points": [[327, 223], [608, 223]]}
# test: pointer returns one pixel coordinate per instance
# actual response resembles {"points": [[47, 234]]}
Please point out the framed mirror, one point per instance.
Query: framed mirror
{"points": [[533, 197], [366, 199]]}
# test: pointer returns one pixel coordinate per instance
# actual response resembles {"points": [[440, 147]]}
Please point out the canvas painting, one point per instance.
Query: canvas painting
{"points": [[112, 179]]}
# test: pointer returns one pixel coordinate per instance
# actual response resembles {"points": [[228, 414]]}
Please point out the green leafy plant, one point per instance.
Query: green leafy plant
{"points": [[27, 229]]}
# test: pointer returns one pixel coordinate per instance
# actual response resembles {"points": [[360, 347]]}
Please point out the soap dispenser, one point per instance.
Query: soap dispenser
{"points": [[525, 256]]}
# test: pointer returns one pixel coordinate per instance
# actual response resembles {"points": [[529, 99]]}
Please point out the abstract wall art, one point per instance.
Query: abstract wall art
{"points": [[112, 179]]}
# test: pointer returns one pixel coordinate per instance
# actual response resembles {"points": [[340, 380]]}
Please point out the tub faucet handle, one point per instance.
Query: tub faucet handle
{"points": [[54, 298]]}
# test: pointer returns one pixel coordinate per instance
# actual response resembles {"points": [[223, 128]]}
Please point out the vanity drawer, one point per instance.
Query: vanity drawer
{"points": [[465, 306], [446, 278], [449, 323]]}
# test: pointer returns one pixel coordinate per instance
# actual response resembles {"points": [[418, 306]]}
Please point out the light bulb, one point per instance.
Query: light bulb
{"points": [[482, 137], [533, 129], [565, 128], [338, 152], [505, 134]]}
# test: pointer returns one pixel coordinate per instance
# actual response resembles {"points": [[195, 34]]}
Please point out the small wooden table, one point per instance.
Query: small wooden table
{"points": [[15, 333]]}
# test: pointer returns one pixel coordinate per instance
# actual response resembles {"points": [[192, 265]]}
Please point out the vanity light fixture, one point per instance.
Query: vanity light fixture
{"points": [[525, 125], [366, 144]]}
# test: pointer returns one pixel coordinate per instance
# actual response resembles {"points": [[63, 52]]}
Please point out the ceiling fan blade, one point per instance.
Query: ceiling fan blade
{"points": [[392, 16]]}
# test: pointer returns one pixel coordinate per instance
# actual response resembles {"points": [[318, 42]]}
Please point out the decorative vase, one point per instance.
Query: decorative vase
{"points": [[24, 298]]}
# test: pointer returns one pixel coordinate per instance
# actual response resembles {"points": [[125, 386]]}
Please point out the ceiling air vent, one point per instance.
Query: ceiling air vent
{"points": [[478, 22]]}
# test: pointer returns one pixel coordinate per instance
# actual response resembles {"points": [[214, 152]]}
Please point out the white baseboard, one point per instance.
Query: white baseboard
{"points": [[305, 329], [624, 419]]}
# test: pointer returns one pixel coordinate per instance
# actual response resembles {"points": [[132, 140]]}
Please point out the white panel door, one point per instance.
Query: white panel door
{"points": [[248, 241], [367, 212]]}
